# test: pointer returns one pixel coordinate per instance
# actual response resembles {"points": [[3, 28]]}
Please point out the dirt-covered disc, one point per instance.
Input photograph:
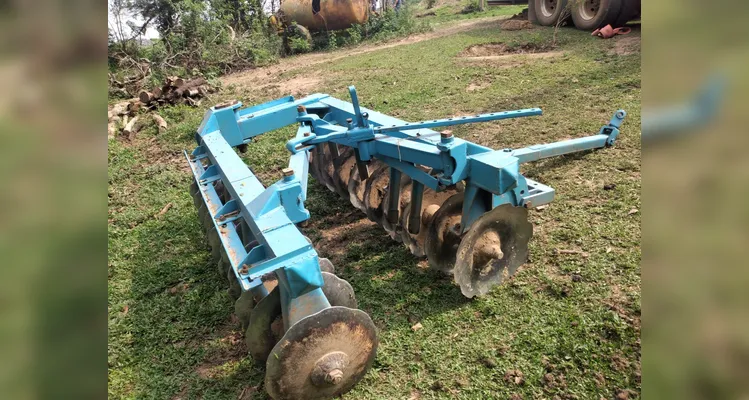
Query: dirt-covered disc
{"points": [[243, 308], [338, 291], [322, 356], [493, 249], [326, 265], [326, 168], [261, 334], [346, 162], [375, 191], [443, 234]]}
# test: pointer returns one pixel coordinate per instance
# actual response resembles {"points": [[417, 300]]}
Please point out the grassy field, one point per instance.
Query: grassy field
{"points": [[567, 326]]}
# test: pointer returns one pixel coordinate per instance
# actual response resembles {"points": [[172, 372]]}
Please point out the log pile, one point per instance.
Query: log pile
{"points": [[175, 91], [124, 116]]}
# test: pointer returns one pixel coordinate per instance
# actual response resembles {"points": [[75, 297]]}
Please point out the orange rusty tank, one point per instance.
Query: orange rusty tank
{"points": [[320, 15]]}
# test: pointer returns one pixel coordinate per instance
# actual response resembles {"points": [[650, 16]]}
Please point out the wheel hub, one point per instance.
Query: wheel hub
{"points": [[329, 369]]}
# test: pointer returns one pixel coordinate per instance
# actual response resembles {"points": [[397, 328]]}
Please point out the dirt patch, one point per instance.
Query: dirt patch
{"points": [[625, 45], [472, 87], [516, 25], [268, 76], [500, 49], [229, 347], [351, 228], [296, 86]]}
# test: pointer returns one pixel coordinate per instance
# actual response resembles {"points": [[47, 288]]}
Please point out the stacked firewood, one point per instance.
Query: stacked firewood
{"points": [[176, 90], [124, 116]]}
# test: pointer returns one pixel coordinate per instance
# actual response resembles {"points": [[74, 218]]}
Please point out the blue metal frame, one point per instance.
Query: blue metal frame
{"points": [[492, 178]]}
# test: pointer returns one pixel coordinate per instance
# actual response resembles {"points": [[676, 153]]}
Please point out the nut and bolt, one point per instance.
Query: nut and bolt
{"points": [[287, 172], [301, 108], [334, 376], [306, 134], [244, 270], [446, 135], [349, 120]]}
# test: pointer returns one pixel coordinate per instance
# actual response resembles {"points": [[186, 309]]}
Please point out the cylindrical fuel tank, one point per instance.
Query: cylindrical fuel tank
{"points": [[320, 15]]}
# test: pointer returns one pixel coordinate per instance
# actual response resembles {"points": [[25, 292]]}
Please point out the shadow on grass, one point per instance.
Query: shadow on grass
{"points": [[185, 340]]}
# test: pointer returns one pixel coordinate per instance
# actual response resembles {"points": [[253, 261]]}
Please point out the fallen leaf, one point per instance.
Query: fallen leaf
{"points": [[417, 327], [632, 211]]}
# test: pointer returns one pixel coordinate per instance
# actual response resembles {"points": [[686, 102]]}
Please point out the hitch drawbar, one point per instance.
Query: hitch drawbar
{"points": [[462, 205]]}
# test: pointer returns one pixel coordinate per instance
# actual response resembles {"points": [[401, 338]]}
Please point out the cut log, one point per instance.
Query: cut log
{"points": [[111, 130], [134, 106], [157, 92], [130, 129], [146, 96], [160, 122]]}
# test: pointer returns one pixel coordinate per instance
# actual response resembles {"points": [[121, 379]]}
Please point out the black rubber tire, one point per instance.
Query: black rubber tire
{"points": [[548, 11], [608, 12], [532, 12], [630, 10]]}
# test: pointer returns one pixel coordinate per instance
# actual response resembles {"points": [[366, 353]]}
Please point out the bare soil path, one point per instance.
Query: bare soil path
{"points": [[262, 77]]}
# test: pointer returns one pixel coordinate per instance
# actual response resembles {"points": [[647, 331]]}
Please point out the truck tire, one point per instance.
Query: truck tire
{"points": [[630, 10], [593, 14], [548, 11], [532, 12]]}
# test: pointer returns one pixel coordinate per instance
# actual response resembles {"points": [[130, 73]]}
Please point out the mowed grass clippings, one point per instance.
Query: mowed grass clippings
{"points": [[567, 325]]}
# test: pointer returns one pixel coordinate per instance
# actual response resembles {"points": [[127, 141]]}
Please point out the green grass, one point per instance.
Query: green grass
{"points": [[452, 11], [171, 331]]}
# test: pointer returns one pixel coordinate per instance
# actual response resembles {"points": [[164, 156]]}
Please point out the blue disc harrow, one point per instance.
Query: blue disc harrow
{"points": [[462, 205]]}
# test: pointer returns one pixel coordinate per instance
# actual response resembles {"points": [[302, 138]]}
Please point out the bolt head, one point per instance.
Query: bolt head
{"points": [[306, 134], [349, 120], [287, 172], [301, 108], [334, 377], [446, 135]]}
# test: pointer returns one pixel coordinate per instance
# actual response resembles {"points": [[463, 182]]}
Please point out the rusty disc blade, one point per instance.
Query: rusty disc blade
{"points": [[493, 249], [443, 234], [263, 331], [322, 356], [327, 169], [197, 199], [375, 191], [326, 265], [243, 308], [346, 162], [338, 291]]}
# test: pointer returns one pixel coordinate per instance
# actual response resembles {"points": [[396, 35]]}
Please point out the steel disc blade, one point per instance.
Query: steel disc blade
{"points": [[223, 265], [342, 173], [394, 229], [375, 191], [315, 158], [356, 190], [263, 331], [326, 265], [443, 234], [338, 291], [322, 356], [408, 239], [493, 249], [430, 200], [243, 308], [327, 169], [197, 199]]}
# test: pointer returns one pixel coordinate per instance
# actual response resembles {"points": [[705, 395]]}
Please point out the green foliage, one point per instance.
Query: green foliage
{"points": [[332, 40], [392, 23], [298, 45], [472, 7]]}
